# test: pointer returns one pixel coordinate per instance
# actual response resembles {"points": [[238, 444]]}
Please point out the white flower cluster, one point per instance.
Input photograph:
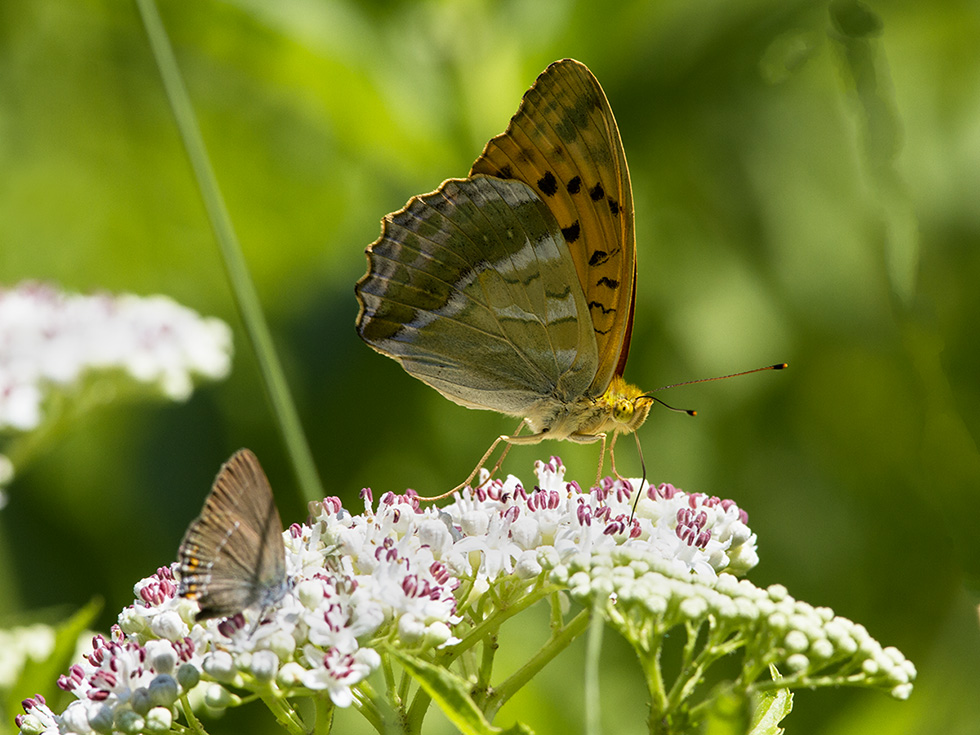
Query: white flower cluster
{"points": [[49, 338], [643, 596], [398, 574]]}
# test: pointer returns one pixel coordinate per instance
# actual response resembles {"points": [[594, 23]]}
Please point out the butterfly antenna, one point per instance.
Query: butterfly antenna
{"points": [[777, 366], [688, 411], [643, 475]]}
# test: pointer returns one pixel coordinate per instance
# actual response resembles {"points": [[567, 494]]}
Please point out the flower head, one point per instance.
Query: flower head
{"points": [[51, 342], [413, 577]]}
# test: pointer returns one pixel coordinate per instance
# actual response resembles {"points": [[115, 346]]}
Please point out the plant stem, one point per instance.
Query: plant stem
{"points": [[558, 642], [592, 652], [246, 297], [490, 646], [192, 722], [492, 623], [324, 709], [379, 711], [650, 662], [285, 715]]}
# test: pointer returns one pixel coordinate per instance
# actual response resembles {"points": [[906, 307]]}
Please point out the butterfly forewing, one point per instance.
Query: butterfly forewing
{"points": [[472, 289], [564, 143], [232, 556]]}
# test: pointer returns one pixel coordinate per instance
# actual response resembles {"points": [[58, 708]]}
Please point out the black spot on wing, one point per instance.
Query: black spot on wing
{"points": [[598, 258], [613, 206], [600, 307], [574, 185], [571, 232], [597, 192], [547, 184], [506, 172], [610, 282]]}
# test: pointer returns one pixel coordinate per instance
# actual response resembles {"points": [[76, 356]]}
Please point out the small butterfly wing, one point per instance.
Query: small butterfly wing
{"points": [[564, 143], [233, 556], [473, 291]]}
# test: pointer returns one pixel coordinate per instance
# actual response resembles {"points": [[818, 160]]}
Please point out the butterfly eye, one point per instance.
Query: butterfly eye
{"points": [[623, 410]]}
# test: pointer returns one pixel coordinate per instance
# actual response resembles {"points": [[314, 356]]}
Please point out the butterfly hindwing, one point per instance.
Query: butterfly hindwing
{"points": [[471, 288], [564, 143]]}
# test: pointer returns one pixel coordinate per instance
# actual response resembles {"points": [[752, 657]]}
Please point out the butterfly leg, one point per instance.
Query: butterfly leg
{"points": [[602, 459], [612, 457], [592, 439], [510, 440]]}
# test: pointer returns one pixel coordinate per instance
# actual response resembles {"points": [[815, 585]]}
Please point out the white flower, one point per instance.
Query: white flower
{"points": [[339, 671], [51, 340]]}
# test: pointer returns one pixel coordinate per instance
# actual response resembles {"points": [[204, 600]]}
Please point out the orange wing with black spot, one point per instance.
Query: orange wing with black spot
{"points": [[563, 142]]}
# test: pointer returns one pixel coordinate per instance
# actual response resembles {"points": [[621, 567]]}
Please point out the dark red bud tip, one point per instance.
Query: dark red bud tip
{"points": [[780, 366]]}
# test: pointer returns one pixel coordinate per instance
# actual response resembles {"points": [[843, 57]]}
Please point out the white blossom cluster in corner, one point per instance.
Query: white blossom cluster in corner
{"points": [[399, 573], [51, 340]]}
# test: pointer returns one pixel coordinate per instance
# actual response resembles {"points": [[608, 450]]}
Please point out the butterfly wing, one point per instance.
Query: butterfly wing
{"points": [[233, 556], [472, 290], [564, 143]]}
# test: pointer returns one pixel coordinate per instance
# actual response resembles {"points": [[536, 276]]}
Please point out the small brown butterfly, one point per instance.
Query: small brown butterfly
{"points": [[232, 556]]}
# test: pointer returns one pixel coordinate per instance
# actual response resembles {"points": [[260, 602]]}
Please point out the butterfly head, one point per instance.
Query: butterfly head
{"points": [[627, 406]]}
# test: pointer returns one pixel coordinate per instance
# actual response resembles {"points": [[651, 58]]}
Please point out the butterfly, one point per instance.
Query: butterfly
{"points": [[232, 556], [513, 289]]}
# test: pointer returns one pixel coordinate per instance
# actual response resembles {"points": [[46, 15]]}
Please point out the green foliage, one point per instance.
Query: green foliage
{"points": [[805, 181], [451, 694], [771, 708]]}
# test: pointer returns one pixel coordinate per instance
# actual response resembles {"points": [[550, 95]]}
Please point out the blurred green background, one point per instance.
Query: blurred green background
{"points": [[807, 187]]}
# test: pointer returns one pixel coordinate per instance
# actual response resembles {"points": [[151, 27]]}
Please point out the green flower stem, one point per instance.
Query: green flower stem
{"points": [[557, 617], [323, 711], [558, 643], [404, 684], [480, 633], [650, 663], [285, 714], [752, 668], [692, 671], [688, 656], [491, 624], [193, 723], [593, 650], [490, 646], [389, 673], [246, 297], [380, 713], [646, 637]]}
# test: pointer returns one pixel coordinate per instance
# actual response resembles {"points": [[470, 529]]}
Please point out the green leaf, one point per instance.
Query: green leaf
{"points": [[452, 695], [770, 709]]}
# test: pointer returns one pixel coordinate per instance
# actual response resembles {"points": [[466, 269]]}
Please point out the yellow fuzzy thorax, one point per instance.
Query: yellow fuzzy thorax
{"points": [[622, 409]]}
